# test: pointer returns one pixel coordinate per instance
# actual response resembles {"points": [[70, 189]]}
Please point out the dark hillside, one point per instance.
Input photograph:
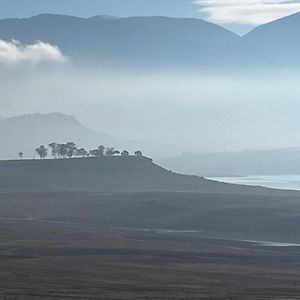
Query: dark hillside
{"points": [[108, 175]]}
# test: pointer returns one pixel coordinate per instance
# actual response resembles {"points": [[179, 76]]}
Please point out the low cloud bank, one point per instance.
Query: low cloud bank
{"points": [[14, 52]]}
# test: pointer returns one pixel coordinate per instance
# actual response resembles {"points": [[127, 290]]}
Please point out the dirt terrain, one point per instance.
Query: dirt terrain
{"points": [[124, 246], [125, 228]]}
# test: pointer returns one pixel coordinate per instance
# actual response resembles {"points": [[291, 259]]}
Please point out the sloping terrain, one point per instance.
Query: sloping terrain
{"points": [[109, 175], [274, 44]]}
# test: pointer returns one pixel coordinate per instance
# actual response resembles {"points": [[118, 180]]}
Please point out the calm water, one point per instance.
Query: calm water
{"points": [[289, 182]]}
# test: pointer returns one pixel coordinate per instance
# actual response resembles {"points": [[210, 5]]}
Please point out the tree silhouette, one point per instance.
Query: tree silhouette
{"points": [[110, 151], [81, 152], [20, 154], [71, 149], [125, 153], [101, 150], [138, 153], [42, 151], [93, 152], [62, 150], [54, 149]]}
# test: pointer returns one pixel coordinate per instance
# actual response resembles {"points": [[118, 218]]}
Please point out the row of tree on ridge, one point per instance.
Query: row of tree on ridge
{"points": [[70, 150]]}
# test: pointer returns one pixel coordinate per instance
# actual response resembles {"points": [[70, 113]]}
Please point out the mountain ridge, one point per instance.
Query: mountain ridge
{"points": [[159, 42], [125, 42], [239, 163], [275, 22], [26, 132]]}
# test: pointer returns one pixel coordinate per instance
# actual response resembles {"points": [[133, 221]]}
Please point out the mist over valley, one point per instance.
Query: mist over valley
{"points": [[148, 156]]}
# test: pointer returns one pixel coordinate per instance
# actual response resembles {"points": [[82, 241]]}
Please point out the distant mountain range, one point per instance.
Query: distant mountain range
{"points": [[126, 41], [239, 163], [25, 133], [276, 43], [160, 41]]}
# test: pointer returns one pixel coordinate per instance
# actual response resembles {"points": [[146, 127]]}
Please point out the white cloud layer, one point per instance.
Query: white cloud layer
{"points": [[14, 52], [252, 12]]}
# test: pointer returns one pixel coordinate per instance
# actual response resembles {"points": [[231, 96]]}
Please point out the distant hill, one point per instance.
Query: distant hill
{"points": [[276, 43], [272, 162], [25, 133], [109, 175], [135, 41], [160, 42]]}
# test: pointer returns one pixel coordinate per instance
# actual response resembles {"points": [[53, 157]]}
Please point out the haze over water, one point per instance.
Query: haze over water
{"points": [[287, 182]]}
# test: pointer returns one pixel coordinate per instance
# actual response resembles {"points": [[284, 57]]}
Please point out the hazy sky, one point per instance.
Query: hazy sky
{"points": [[238, 15], [187, 111], [173, 113]]}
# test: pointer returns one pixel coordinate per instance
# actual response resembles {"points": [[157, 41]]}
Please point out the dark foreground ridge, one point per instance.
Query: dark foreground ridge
{"points": [[125, 228], [109, 175]]}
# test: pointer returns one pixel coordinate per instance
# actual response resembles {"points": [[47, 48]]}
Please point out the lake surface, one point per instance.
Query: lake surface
{"points": [[288, 182], [271, 244]]}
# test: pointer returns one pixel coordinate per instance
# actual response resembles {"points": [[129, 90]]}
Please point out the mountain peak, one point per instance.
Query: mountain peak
{"points": [[101, 17], [26, 132], [55, 116], [289, 23]]}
